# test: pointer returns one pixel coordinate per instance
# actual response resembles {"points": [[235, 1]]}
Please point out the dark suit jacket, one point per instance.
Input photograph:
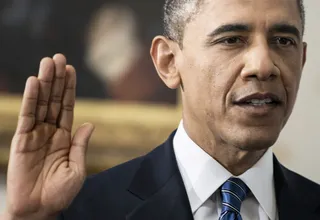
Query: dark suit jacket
{"points": [[151, 188]]}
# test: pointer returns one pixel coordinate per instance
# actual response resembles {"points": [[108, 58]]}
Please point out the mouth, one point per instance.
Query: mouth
{"points": [[259, 104], [259, 100]]}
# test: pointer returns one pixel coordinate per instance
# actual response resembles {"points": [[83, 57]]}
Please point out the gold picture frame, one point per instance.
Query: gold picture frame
{"points": [[122, 130]]}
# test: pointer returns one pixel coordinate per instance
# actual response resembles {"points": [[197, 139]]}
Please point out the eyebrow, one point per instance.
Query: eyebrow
{"points": [[237, 27], [285, 28]]}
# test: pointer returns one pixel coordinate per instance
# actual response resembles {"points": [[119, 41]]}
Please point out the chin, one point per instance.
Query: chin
{"points": [[257, 145], [254, 140]]}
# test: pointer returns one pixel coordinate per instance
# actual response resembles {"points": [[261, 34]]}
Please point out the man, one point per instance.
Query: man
{"points": [[118, 56], [238, 63]]}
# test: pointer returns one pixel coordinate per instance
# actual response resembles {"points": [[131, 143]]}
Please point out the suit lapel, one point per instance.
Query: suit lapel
{"points": [[285, 203], [294, 199], [159, 184]]}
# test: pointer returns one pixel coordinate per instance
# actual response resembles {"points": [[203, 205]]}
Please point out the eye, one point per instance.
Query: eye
{"points": [[232, 41], [283, 41]]}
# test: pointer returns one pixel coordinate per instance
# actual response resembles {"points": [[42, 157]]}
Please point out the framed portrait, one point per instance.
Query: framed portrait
{"points": [[108, 43]]}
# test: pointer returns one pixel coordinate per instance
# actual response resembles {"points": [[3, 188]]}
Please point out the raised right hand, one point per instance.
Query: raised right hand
{"points": [[46, 166]]}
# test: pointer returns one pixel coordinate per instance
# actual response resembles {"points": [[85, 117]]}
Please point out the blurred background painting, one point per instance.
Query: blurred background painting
{"points": [[107, 41]]}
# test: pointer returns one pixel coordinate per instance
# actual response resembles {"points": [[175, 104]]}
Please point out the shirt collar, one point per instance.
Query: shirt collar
{"points": [[203, 175], [260, 180]]}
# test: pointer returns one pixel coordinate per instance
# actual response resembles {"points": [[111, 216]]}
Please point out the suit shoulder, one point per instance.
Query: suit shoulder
{"points": [[300, 182], [120, 174], [105, 194]]}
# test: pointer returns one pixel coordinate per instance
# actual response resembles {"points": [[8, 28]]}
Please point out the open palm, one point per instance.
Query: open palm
{"points": [[47, 166]]}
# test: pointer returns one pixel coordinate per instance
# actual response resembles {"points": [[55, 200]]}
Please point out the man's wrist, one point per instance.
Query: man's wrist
{"points": [[7, 216]]}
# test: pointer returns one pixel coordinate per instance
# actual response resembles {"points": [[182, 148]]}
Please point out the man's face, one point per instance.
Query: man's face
{"points": [[240, 66]]}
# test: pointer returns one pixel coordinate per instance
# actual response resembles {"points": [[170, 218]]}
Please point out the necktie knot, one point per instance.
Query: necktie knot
{"points": [[233, 192]]}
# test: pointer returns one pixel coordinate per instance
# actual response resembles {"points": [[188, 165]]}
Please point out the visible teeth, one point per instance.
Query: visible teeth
{"points": [[260, 101]]}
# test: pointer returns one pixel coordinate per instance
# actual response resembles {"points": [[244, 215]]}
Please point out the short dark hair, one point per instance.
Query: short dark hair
{"points": [[178, 13]]}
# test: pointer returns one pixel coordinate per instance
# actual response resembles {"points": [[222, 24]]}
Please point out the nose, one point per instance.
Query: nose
{"points": [[259, 64]]}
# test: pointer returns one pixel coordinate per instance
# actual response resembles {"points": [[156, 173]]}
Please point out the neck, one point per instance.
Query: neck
{"points": [[234, 159]]}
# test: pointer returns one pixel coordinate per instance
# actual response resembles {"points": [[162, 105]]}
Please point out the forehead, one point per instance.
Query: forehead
{"points": [[258, 13]]}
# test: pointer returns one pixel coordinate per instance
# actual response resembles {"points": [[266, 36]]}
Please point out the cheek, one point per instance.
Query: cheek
{"points": [[291, 86], [224, 76], [208, 78], [198, 88], [291, 76]]}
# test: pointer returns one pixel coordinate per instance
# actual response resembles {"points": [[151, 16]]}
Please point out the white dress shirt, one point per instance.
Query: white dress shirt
{"points": [[202, 176]]}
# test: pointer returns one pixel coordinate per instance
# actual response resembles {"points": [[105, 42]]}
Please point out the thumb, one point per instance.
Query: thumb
{"points": [[79, 146]]}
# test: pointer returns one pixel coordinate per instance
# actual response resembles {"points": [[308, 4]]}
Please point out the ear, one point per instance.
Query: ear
{"points": [[304, 58], [164, 55]]}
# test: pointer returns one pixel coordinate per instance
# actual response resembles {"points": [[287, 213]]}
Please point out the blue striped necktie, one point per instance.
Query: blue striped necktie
{"points": [[233, 192]]}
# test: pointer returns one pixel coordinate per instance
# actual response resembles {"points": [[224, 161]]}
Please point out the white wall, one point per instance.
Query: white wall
{"points": [[299, 146], [2, 193]]}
